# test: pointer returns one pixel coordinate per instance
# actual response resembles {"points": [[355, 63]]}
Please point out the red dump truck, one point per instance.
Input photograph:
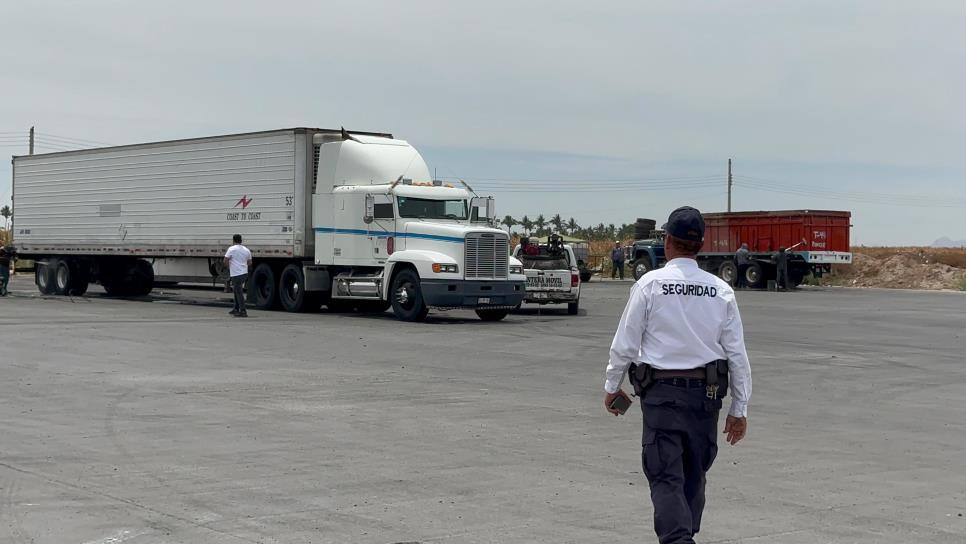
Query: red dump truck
{"points": [[817, 239]]}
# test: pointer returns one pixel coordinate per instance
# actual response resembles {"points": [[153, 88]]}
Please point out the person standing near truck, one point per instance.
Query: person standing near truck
{"points": [[4, 271], [742, 260], [781, 269], [681, 341], [617, 260], [238, 260]]}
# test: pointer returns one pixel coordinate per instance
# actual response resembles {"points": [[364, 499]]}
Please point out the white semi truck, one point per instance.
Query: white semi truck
{"points": [[344, 219]]}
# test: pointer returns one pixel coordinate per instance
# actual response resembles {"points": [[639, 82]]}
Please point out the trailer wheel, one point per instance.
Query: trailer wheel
{"points": [[262, 288], [728, 272], [63, 276], [642, 266], [407, 296], [291, 289], [755, 275], [492, 315], [80, 277], [44, 277], [141, 278]]}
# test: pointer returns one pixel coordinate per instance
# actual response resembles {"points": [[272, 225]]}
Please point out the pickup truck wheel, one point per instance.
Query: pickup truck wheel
{"points": [[573, 307], [728, 271], [407, 297], [755, 275], [642, 266], [262, 288], [492, 315], [291, 289]]}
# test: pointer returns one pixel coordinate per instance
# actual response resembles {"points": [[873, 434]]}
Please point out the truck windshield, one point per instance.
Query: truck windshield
{"points": [[424, 208]]}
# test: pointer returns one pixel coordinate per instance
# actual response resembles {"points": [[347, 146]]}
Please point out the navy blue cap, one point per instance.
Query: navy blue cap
{"points": [[686, 223]]}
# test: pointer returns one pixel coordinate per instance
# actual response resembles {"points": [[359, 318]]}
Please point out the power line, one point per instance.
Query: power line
{"points": [[69, 140], [890, 200]]}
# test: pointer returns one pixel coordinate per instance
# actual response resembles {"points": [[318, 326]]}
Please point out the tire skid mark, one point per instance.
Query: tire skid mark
{"points": [[14, 516], [93, 490]]}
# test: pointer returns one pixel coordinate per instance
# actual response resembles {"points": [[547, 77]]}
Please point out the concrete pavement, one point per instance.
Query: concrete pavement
{"points": [[165, 420]]}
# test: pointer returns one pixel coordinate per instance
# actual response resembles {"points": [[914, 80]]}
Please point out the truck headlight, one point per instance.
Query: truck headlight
{"points": [[516, 269], [445, 268]]}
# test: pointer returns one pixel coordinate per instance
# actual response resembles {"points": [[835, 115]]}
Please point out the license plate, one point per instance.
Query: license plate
{"points": [[484, 300]]}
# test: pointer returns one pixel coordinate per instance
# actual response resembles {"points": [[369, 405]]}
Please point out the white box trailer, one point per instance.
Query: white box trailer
{"points": [[128, 216]]}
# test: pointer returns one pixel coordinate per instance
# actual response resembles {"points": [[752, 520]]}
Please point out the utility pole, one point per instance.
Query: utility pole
{"points": [[31, 140], [730, 182]]}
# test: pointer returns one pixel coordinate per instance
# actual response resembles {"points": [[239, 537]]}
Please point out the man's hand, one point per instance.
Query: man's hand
{"points": [[609, 398], [735, 428]]}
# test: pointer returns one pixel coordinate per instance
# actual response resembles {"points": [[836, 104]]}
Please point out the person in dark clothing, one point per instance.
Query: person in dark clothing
{"points": [[617, 259], [781, 272], [4, 271], [742, 260]]}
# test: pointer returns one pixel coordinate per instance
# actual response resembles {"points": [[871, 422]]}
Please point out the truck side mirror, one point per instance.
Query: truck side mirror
{"points": [[485, 203], [370, 209]]}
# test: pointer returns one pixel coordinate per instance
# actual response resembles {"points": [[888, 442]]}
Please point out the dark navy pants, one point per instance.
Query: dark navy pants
{"points": [[680, 444]]}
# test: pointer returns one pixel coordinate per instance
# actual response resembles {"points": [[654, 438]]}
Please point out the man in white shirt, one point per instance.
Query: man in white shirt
{"points": [[678, 320], [238, 260]]}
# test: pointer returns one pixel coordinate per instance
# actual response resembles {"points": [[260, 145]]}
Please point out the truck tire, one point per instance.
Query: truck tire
{"points": [[728, 271], [141, 278], [492, 315], [573, 307], [755, 275], [80, 278], [585, 275], [291, 289], [262, 288], [642, 266], [44, 277], [62, 276], [407, 296]]}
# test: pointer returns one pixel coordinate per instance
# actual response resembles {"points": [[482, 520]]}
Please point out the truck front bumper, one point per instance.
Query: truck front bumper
{"points": [[472, 293]]}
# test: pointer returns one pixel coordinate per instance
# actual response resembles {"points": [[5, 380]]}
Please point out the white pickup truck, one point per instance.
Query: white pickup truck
{"points": [[552, 274]]}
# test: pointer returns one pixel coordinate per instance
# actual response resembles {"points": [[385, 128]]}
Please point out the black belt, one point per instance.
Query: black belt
{"points": [[683, 382]]}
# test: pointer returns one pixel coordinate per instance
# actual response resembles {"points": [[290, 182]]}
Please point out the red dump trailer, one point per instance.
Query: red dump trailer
{"points": [[816, 239]]}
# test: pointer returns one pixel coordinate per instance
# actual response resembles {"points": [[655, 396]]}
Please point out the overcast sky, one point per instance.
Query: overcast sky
{"points": [[631, 110]]}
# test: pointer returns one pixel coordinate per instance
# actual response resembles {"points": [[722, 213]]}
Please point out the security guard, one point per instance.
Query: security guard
{"points": [[681, 341]]}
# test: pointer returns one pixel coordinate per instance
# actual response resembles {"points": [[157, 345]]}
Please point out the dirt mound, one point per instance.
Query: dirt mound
{"points": [[902, 268]]}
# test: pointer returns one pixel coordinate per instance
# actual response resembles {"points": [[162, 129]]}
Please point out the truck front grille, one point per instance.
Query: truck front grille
{"points": [[487, 256]]}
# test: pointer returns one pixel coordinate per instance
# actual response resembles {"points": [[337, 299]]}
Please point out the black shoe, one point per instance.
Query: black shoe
{"points": [[243, 314], [233, 312]]}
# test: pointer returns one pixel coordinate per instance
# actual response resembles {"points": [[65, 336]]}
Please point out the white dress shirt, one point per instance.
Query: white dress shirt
{"points": [[678, 318]]}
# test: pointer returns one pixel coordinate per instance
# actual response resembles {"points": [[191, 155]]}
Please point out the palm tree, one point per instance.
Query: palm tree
{"points": [[526, 223], [7, 214], [540, 223], [572, 226], [611, 231], [557, 222], [509, 221]]}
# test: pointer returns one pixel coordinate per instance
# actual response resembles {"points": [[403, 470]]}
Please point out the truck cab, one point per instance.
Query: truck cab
{"points": [[412, 243]]}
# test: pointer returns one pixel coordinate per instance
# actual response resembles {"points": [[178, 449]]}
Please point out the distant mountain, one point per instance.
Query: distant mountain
{"points": [[946, 241]]}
